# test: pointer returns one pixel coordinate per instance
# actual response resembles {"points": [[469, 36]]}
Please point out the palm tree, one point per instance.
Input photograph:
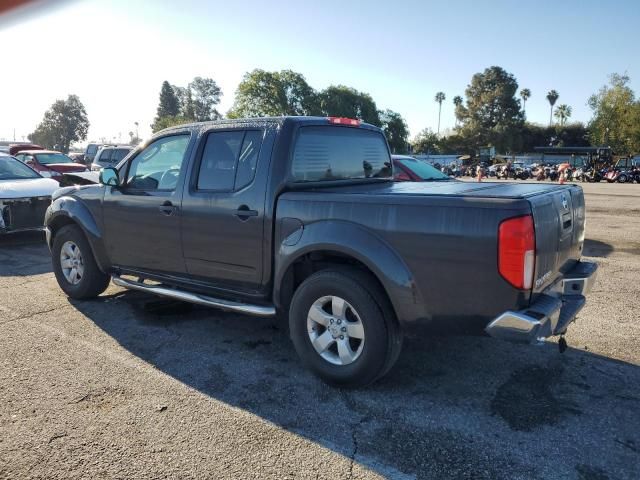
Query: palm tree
{"points": [[525, 93], [552, 96], [440, 97], [457, 101], [563, 112]]}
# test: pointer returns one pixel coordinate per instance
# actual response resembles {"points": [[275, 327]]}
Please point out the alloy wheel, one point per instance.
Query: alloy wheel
{"points": [[335, 330], [71, 262]]}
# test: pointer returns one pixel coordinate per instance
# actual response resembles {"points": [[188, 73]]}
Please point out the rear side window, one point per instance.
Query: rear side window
{"points": [[229, 160], [118, 154], [218, 164], [326, 153], [105, 155]]}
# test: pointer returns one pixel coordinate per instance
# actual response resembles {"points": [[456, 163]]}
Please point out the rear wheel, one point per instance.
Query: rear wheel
{"points": [[74, 266], [623, 178], [343, 327]]}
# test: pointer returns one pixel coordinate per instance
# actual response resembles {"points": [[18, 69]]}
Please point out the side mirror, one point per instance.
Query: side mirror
{"points": [[109, 176]]}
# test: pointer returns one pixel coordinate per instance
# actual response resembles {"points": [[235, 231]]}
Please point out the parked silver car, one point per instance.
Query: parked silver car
{"points": [[110, 156]]}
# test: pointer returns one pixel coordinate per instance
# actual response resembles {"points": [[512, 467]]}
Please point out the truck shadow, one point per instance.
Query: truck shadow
{"points": [[451, 407], [23, 254], [596, 248]]}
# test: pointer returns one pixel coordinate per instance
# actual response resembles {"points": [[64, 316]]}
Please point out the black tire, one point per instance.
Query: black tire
{"points": [[93, 281], [383, 337], [623, 178]]}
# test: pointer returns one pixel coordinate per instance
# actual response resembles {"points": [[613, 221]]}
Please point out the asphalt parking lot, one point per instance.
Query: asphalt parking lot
{"points": [[129, 387]]}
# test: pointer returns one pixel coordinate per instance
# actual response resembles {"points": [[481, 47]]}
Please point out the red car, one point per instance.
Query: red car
{"points": [[49, 163], [408, 169], [18, 147]]}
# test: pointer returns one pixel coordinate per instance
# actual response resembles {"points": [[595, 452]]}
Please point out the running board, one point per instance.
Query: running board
{"points": [[256, 310]]}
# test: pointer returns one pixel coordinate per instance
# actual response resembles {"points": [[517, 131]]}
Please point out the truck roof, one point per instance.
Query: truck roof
{"points": [[261, 122]]}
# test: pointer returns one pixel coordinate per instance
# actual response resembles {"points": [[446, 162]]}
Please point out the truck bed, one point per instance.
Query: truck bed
{"points": [[446, 233]]}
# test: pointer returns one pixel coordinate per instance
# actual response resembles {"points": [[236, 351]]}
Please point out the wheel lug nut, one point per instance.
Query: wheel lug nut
{"points": [[341, 337], [331, 320], [339, 321], [344, 329]]}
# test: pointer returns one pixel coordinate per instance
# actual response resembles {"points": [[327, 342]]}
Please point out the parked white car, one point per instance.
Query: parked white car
{"points": [[24, 196]]}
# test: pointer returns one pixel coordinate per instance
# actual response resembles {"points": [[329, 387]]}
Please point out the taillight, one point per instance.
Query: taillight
{"points": [[517, 251], [344, 121]]}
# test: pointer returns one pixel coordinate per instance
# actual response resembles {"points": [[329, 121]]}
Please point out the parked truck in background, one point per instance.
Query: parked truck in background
{"points": [[300, 215]]}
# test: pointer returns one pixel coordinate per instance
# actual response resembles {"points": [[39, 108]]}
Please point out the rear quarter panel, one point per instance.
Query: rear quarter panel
{"points": [[448, 244]]}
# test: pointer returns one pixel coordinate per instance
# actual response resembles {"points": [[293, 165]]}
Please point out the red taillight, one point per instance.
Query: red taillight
{"points": [[344, 121], [517, 251]]}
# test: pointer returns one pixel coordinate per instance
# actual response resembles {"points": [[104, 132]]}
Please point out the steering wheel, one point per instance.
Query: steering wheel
{"points": [[170, 175]]}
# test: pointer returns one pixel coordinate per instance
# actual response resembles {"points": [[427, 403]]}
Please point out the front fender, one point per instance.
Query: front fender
{"points": [[355, 241], [67, 209]]}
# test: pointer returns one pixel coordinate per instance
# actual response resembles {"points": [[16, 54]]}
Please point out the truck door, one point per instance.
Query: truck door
{"points": [[223, 209], [142, 216]]}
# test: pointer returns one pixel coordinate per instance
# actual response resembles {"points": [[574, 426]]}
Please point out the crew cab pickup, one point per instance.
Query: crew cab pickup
{"points": [[301, 216]]}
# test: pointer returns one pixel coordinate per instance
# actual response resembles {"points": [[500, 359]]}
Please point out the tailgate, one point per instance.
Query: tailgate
{"points": [[559, 218]]}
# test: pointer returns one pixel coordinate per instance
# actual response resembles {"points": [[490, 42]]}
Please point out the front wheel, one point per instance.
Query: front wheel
{"points": [[343, 327], [75, 268], [622, 178]]}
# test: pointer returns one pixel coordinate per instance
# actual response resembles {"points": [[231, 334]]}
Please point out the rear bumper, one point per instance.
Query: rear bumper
{"points": [[552, 313]]}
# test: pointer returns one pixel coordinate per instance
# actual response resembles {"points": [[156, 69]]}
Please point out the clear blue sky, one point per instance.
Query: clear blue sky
{"points": [[115, 53]]}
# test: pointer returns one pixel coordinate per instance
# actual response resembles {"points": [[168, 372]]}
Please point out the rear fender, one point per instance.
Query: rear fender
{"points": [[352, 240]]}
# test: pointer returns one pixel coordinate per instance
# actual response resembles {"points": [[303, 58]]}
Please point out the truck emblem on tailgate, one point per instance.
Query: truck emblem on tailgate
{"points": [[565, 203]]}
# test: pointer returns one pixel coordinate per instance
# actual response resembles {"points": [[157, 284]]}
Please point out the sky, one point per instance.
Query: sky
{"points": [[115, 54]]}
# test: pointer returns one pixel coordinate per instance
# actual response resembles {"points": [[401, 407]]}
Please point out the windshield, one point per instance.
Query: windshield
{"points": [[50, 158], [423, 170], [12, 169], [92, 149], [325, 153]]}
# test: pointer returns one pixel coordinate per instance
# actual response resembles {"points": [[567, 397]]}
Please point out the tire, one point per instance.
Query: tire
{"points": [[622, 178], [89, 281], [366, 304]]}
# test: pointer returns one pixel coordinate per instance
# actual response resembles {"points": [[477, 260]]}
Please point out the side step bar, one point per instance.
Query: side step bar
{"points": [[255, 310]]}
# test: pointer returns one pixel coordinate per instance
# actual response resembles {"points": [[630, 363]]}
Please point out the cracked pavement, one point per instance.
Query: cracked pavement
{"points": [[127, 386]]}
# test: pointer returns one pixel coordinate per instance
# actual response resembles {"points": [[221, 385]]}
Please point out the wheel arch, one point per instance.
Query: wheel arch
{"points": [[69, 211]]}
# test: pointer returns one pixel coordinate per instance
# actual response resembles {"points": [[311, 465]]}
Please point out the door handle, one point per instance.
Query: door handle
{"points": [[244, 212], [167, 208]]}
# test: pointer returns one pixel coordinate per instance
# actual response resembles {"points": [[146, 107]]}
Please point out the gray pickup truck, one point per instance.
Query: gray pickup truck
{"points": [[300, 216]]}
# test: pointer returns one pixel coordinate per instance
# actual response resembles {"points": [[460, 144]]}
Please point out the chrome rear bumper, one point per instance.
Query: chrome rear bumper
{"points": [[552, 312]]}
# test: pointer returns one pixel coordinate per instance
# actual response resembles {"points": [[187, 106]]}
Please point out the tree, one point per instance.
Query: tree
{"points": [[185, 101], [457, 101], [65, 122], [206, 96], [563, 112], [552, 97], [492, 114], [440, 97], [169, 105], [570, 135], [616, 116], [525, 94], [188, 107], [396, 130], [268, 94], [426, 142], [341, 101]]}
